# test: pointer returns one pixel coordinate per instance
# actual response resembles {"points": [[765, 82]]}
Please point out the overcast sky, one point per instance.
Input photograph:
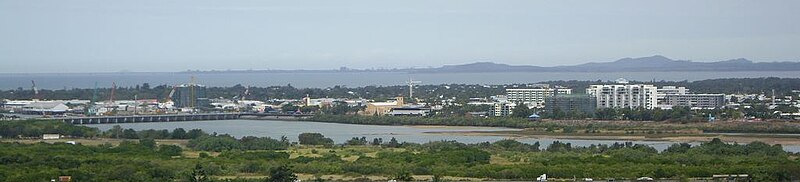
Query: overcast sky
{"points": [[176, 35]]}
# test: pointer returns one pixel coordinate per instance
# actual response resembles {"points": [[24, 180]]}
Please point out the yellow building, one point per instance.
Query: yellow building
{"points": [[381, 108]]}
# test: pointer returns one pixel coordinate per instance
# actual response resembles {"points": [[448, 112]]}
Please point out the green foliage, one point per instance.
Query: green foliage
{"points": [[198, 174], [357, 141], [281, 174], [510, 145], [255, 155], [178, 133], [133, 162], [521, 111], [170, 150], [314, 139], [504, 159], [393, 143], [35, 128], [403, 176], [148, 142], [215, 143], [263, 143], [220, 143]]}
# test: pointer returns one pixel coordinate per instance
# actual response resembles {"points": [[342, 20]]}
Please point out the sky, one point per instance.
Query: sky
{"points": [[63, 36]]}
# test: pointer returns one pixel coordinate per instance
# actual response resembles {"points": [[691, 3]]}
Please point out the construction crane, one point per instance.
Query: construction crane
{"points": [[110, 104], [192, 96], [411, 83], [113, 89], [91, 108], [246, 93], [171, 93], [35, 91]]}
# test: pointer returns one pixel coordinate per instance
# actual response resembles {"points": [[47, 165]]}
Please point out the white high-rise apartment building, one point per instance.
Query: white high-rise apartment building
{"points": [[534, 97], [624, 95]]}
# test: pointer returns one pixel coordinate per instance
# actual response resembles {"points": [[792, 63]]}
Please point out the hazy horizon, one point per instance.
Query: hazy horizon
{"points": [[50, 36]]}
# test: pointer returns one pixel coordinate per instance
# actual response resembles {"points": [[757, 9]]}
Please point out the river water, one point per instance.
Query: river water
{"points": [[350, 79], [342, 132]]}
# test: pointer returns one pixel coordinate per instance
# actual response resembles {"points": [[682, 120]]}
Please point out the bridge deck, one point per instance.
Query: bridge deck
{"points": [[168, 118]]}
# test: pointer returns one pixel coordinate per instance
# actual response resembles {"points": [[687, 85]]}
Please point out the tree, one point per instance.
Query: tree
{"points": [[357, 141], [129, 134], [289, 108], [403, 176], [314, 139], [170, 150], [115, 131], [678, 148], [377, 141], [215, 143], [337, 108], [178, 133], [521, 111], [198, 174], [194, 133], [281, 174], [148, 142], [393, 143]]}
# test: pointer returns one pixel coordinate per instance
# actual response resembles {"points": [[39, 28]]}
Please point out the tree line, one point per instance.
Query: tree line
{"points": [[144, 161], [147, 160]]}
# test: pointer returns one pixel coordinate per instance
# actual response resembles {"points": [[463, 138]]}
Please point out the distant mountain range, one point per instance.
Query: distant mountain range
{"points": [[652, 63], [642, 64]]}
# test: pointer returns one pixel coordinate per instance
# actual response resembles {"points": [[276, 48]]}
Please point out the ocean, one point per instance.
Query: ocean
{"points": [[348, 79]]}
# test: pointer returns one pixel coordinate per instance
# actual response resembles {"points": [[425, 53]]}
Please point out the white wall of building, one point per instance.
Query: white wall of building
{"points": [[533, 97], [624, 95]]}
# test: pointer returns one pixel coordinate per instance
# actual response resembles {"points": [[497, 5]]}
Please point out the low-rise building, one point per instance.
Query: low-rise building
{"points": [[51, 136], [502, 109], [578, 103], [382, 108], [661, 93], [695, 101], [534, 97], [47, 108], [407, 111]]}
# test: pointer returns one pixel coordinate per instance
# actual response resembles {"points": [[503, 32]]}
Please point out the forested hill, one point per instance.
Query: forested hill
{"points": [[782, 86], [652, 63]]}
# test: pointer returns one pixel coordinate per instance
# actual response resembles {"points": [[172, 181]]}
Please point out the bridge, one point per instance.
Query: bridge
{"points": [[177, 117]]}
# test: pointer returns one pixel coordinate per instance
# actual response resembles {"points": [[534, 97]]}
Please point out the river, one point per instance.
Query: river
{"points": [[342, 132]]}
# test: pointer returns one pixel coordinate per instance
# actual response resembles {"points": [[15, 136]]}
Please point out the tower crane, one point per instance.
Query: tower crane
{"points": [[171, 93], [91, 108], [113, 89], [411, 83], [110, 103]]}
